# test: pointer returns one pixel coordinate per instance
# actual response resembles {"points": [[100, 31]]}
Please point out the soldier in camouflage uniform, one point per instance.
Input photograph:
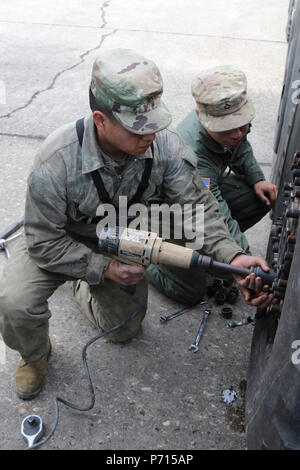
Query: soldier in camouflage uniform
{"points": [[217, 132], [123, 132]]}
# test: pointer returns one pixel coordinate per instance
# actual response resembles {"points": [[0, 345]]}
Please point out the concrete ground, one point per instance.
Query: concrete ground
{"points": [[152, 393]]}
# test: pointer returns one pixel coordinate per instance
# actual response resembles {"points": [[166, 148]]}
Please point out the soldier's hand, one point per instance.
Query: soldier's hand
{"points": [[267, 192], [255, 293], [124, 274]]}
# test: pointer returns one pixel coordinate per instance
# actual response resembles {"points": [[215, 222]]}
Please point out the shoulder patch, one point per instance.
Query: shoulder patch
{"points": [[206, 181]]}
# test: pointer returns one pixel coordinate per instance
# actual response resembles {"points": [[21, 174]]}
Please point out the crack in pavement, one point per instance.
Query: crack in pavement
{"points": [[81, 57], [151, 31], [58, 25], [23, 136], [206, 35], [86, 53]]}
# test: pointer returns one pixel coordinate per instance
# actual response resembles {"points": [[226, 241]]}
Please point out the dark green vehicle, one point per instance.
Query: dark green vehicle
{"points": [[273, 392]]}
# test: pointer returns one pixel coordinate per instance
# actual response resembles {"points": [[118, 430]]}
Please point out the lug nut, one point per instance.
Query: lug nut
{"points": [[292, 213], [278, 294], [297, 181], [282, 283], [275, 308], [296, 173], [288, 256]]}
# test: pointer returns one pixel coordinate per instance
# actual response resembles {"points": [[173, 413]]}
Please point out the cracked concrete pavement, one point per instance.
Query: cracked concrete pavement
{"points": [[152, 393]]}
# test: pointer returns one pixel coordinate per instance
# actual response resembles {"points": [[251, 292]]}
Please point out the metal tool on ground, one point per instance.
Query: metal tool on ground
{"points": [[226, 312], [250, 319], [143, 248], [164, 319], [246, 321], [213, 288], [6, 236], [32, 429], [232, 294], [194, 347], [221, 296]]}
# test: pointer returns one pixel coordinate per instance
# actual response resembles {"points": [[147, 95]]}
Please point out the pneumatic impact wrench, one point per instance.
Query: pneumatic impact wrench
{"points": [[143, 248]]}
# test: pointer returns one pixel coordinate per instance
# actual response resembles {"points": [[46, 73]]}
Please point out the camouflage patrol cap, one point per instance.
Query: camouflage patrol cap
{"points": [[221, 97], [130, 86]]}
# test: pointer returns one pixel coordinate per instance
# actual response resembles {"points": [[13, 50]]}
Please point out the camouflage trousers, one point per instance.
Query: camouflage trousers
{"points": [[24, 311], [245, 207], [189, 286]]}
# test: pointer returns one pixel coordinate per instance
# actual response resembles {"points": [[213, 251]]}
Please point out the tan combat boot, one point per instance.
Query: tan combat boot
{"points": [[30, 376]]}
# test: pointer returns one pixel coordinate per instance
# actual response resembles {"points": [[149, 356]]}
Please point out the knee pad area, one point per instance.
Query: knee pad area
{"points": [[18, 307]]}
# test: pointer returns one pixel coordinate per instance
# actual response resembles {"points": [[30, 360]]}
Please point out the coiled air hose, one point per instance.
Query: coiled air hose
{"points": [[130, 291]]}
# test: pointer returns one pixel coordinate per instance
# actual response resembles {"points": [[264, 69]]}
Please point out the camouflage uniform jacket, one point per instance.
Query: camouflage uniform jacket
{"points": [[213, 160], [61, 193]]}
